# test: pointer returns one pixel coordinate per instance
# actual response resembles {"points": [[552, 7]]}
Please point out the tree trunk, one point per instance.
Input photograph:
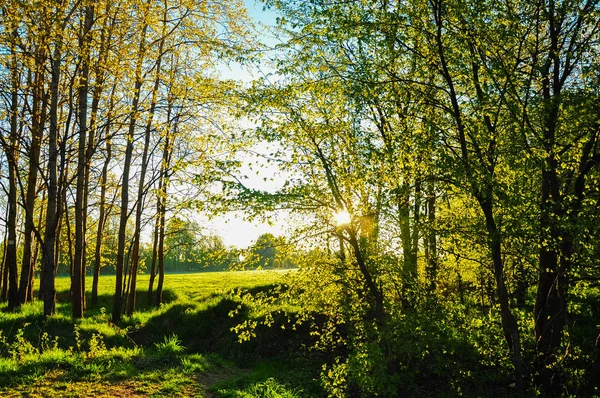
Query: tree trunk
{"points": [[3, 268], [431, 241], [4, 274], [154, 246], [105, 40], [509, 322], [550, 305], [11, 250], [376, 294], [101, 221], [47, 288], [79, 266], [37, 130], [160, 216], [100, 73], [36, 249], [135, 257], [416, 227], [69, 234], [11, 151], [521, 288], [162, 209], [410, 267], [161, 260], [482, 190], [118, 302]]}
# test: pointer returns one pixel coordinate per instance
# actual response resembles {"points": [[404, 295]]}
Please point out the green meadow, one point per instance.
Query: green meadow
{"points": [[187, 347]]}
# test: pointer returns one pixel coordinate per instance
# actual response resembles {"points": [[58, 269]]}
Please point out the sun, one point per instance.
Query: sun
{"points": [[342, 217]]}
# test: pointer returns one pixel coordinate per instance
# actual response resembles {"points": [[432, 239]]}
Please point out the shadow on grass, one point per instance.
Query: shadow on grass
{"points": [[200, 330], [209, 329], [32, 328], [30, 322], [106, 301]]}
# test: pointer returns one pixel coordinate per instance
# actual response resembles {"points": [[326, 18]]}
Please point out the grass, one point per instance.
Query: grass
{"points": [[184, 348]]}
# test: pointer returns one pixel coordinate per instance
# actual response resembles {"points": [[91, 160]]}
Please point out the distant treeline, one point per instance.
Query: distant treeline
{"points": [[188, 250]]}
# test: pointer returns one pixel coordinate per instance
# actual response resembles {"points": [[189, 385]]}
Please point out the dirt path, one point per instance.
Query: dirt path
{"points": [[54, 385]]}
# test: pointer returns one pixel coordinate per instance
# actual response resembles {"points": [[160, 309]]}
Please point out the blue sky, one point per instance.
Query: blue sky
{"points": [[258, 14]]}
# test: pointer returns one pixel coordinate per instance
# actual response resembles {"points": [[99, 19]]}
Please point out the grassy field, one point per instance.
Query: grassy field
{"points": [[184, 348]]}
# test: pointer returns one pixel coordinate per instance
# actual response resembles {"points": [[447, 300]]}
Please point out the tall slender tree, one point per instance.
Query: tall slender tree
{"points": [[124, 213], [142, 190], [79, 264]]}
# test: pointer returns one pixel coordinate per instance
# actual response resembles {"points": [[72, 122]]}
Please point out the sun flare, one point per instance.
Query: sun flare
{"points": [[342, 217]]}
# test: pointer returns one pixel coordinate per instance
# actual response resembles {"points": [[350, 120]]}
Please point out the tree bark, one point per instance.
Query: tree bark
{"points": [[551, 305], [431, 241], [79, 263], [100, 68], [11, 151], [11, 250], [47, 287], [374, 291], [4, 271], [3, 268], [135, 257], [118, 301], [154, 249], [160, 219], [409, 265], [161, 258], [162, 208], [36, 248], [509, 322], [37, 130], [101, 221]]}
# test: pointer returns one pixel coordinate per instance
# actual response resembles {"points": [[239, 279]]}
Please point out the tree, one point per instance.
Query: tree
{"points": [[562, 135], [118, 301], [144, 167], [39, 106], [102, 78], [10, 148], [79, 265], [264, 251]]}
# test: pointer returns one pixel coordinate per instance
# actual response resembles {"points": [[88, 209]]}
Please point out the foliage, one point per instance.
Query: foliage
{"points": [[270, 252], [270, 388], [170, 346], [461, 144]]}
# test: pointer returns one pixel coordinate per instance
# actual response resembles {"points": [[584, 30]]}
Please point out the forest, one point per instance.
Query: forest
{"points": [[440, 169]]}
